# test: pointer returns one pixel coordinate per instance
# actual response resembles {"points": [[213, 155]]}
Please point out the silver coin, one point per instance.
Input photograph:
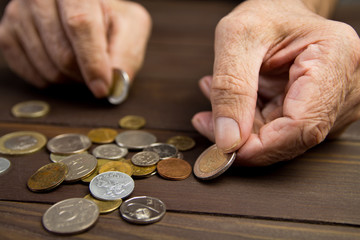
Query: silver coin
{"points": [[163, 149], [145, 158], [111, 185], [109, 151], [212, 163], [180, 155], [57, 157], [72, 215], [4, 165], [69, 143], [135, 139], [120, 88], [79, 166], [142, 210]]}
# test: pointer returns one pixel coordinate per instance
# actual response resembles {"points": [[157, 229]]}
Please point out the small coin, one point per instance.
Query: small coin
{"points": [[79, 166], [100, 162], [21, 142], [135, 139], [145, 158], [141, 172], [111, 186], [182, 143], [105, 206], [180, 155], [212, 163], [102, 135], [110, 151], [47, 177], [69, 143], [132, 122], [142, 210], [30, 109], [174, 169], [117, 166], [73, 215], [4, 165], [120, 87], [163, 149]]}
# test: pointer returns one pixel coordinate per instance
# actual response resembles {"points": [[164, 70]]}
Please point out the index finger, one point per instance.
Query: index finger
{"points": [[85, 26]]}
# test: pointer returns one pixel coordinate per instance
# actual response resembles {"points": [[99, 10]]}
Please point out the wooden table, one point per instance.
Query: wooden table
{"points": [[316, 196]]}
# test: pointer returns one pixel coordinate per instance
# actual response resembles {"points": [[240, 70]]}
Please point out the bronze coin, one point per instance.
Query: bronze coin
{"points": [[47, 177], [174, 169]]}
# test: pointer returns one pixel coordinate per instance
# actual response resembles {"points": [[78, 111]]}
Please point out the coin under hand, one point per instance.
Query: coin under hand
{"points": [[120, 87], [142, 210], [174, 169], [212, 163], [30, 109], [47, 177], [73, 215]]}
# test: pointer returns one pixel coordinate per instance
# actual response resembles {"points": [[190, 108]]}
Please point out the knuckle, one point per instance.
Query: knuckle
{"points": [[314, 134], [12, 10], [141, 13], [78, 22]]}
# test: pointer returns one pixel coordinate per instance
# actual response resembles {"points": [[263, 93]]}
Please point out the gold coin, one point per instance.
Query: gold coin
{"points": [[182, 143], [21, 142], [47, 177], [119, 166], [100, 162], [30, 109], [132, 122], [102, 135], [139, 171], [105, 206]]}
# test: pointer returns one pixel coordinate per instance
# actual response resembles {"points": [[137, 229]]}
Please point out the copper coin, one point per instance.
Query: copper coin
{"points": [[174, 169], [47, 177]]}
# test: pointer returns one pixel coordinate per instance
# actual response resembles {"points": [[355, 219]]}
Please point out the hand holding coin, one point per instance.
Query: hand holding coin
{"points": [[52, 41]]}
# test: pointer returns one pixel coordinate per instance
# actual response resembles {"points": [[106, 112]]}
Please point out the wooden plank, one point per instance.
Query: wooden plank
{"points": [[23, 221]]}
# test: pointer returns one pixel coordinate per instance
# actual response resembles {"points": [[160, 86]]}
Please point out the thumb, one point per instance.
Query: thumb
{"points": [[238, 58]]}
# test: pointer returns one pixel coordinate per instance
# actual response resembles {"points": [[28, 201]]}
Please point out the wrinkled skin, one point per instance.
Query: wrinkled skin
{"points": [[52, 41], [284, 79]]}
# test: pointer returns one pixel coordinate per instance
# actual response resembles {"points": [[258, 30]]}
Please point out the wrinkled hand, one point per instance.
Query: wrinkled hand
{"points": [[51, 41], [284, 78]]}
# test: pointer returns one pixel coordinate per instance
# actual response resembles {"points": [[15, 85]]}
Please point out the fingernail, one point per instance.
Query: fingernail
{"points": [[98, 88], [227, 133]]}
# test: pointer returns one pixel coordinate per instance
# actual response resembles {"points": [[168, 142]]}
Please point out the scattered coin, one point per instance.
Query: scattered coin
{"points": [[30, 109], [120, 87], [102, 135], [4, 165], [141, 172], [79, 166], [212, 163], [135, 139], [116, 166], [111, 186], [163, 149], [180, 155], [174, 169], [142, 210], [69, 143], [110, 151], [105, 206], [21, 142], [132, 122], [47, 177], [73, 215], [145, 158], [182, 143], [100, 162]]}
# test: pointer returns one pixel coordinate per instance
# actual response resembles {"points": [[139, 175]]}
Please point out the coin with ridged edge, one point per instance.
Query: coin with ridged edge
{"points": [[182, 143], [212, 163], [79, 166], [100, 162], [105, 206], [69, 143], [142, 210], [132, 122], [30, 109], [145, 158], [102, 135], [47, 177], [120, 87], [21, 142], [70, 216]]}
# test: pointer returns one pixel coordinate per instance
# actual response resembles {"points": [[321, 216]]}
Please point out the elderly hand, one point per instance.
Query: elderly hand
{"points": [[50, 41], [284, 78]]}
